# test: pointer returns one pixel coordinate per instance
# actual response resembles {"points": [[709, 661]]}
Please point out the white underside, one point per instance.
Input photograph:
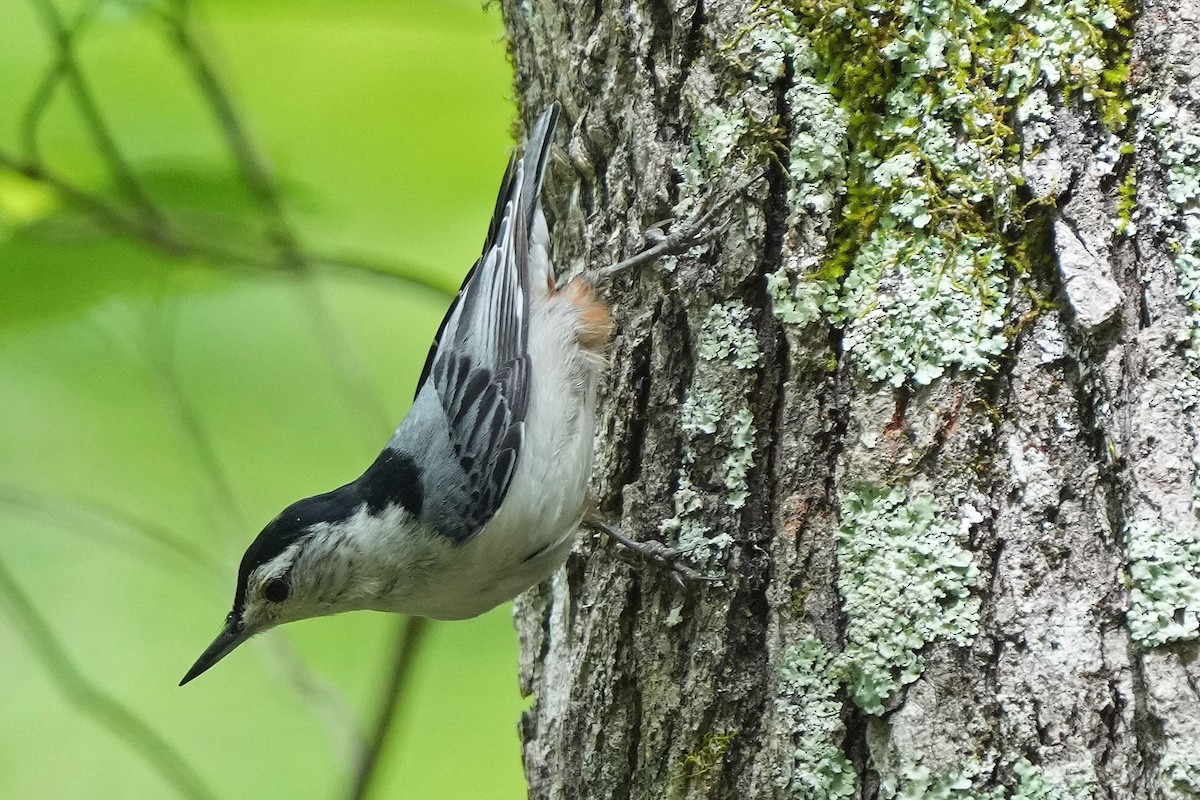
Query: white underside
{"points": [[534, 529]]}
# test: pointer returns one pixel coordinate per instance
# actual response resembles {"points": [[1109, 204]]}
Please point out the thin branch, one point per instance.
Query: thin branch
{"points": [[78, 514], [408, 643], [256, 173], [44, 93], [341, 723], [343, 357], [157, 352], [92, 701], [250, 161], [68, 68], [105, 213], [342, 354], [172, 244], [290, 256]]}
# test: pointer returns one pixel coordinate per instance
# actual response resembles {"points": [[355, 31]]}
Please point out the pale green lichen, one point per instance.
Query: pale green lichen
{"points": [[909, 107], [700, 414], [808, 705], [1174, 131], [915, 305], [715, 414], [728, 335], [1179, 772], [905, 582], [740, 458], [1164, 556], [802, 304], [1164, 568], [716, 136], [817, 145], [917, 782], [817, 157]]}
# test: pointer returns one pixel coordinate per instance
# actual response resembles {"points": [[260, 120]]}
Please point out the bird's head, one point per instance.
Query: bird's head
{"points": [[282, 576]]}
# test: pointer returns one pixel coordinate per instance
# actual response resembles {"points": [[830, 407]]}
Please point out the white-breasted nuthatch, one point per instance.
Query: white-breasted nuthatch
{"points": [[478, 494]]}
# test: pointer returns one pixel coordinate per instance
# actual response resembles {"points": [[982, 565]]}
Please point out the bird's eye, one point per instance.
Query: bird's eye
{"points": [[277, 590]]}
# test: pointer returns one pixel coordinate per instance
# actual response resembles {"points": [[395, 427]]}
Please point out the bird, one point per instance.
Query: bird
{"points": [[478, 494]]}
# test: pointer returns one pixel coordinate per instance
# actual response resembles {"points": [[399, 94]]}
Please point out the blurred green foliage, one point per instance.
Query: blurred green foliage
{"points": [[157, 410]]}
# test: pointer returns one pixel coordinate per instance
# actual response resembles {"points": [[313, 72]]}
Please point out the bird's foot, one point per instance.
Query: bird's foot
{"points": [[668, 559], [674, 237]]}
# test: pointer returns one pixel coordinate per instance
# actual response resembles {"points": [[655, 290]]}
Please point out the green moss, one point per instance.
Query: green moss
{"points": [[705, 758], [916, 103], [1127, 202], [799, 598]]}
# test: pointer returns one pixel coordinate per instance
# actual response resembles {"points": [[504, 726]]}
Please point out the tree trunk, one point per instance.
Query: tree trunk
{"points": [[929, 403]]}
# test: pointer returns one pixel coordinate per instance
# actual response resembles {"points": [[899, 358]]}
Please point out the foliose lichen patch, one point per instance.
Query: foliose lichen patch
{"points": [[905, 581], [1164, 570], [900, 139], [718, 428], [918, 782], [808, 704], [1164, 557]]}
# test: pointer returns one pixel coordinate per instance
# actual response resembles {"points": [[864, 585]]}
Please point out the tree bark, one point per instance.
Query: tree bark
{"points": [[929, 403]]}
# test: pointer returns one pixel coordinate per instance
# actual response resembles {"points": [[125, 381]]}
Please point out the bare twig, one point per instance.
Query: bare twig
{"points": [[173, 244], [155, 229], [157, 352], [342, 354], [343, 357], [250, 161], [91, 517], [44, 93], [105, 213], [68, 69], [408, 643], [94, 702], [343, 729], [256, 173]]}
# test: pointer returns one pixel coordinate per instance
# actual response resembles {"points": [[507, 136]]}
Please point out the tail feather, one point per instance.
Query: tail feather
{"points": [[491, 310]]}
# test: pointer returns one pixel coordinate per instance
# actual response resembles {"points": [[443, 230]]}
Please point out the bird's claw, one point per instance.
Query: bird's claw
{"points": [[674, 237], [670, 560], [694, 230], [661, 555]]}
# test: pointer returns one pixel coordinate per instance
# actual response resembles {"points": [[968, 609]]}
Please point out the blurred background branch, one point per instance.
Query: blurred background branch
{"points": [[135, 210], [408, 643], [103, 708]]}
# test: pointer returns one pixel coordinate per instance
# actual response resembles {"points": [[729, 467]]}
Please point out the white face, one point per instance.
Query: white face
{"points": [[271, 598], [365, 561], [309, 579]]}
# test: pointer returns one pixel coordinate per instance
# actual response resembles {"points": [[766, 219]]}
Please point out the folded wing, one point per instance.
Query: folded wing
{"points": [[479, 362]]}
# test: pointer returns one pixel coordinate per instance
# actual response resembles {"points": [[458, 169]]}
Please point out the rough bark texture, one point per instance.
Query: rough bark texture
{"points": [[929, 403]]}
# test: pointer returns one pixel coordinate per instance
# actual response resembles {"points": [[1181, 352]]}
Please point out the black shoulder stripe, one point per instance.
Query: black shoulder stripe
{"points": [[394, 479]]}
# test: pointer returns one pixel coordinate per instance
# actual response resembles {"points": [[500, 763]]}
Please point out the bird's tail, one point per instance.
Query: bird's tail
{"points": [[535, 158]]}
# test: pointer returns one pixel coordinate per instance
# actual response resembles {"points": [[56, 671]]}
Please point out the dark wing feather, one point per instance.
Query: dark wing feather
{"points": [[479, 362], [493, 226]]}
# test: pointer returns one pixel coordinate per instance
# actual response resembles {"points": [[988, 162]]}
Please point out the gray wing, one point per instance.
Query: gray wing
{"points": [[479, 362]]}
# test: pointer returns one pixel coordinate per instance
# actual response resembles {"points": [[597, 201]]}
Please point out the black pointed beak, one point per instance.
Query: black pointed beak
{"points": [[233, 635]]}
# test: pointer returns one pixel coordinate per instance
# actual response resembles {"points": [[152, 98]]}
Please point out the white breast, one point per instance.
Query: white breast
{"points": [[533, 531]]}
